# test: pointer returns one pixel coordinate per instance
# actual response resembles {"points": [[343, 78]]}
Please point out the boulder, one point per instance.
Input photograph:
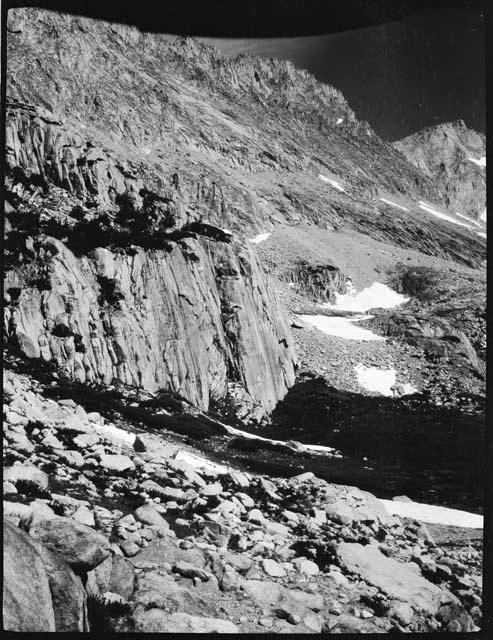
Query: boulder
{"points": [[86, 440], [27, 601], [26, 471], [158, 621], [81, 547], [67, 592], [273, 568], [148, 515], [396, 579], [157, 589], [84, 515], [167, 552], [116, 463], [115, 574]]}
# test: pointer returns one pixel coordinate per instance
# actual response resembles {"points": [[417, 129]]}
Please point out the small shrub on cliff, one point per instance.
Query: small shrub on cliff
{"points": [[109, 292]]}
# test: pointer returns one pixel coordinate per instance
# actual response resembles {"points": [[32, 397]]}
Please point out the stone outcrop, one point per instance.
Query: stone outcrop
{"points": [[455, 157], [190, 320], [317, 282], [27, 604], [397, 581]]}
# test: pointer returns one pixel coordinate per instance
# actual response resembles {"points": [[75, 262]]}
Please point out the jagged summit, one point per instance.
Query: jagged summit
{"points": [[454, 156]]}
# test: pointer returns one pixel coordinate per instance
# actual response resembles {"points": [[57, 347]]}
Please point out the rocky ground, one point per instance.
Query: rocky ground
{"points": [[436, 341], [111, 532]]}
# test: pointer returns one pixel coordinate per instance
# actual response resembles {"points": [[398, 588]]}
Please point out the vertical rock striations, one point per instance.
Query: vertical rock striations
{"points": [[189, 319]]}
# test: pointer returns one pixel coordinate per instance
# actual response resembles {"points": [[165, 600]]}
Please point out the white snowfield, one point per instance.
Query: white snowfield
{"points": [[342, 327], [430, 209], [482, 234], [340, 120], [333, 183], [381, 380], [432, 514], [317, 448], [481, 162], [260, 238], [394, 204], [483, 215], [375, 296]]}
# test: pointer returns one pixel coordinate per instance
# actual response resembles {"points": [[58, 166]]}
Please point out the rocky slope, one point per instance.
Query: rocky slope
{"points": [[454, 156], [107, 531], [169, 215], [204, 147]]}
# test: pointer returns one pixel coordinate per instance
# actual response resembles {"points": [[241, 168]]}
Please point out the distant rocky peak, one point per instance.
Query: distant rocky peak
{"points": [[455, 156]]}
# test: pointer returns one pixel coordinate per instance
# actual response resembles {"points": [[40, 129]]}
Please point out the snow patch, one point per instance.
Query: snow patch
{"points": [[375, 296], [376, 380], [115, 434], [483, 215], [381, 381], [333, 183], [260, 238], [427, 207], [227, 232], [481, 162], [341, 327], [318, 448], [198, 462], [394, 204], [340, 120], [482, 234], [433, 514]]}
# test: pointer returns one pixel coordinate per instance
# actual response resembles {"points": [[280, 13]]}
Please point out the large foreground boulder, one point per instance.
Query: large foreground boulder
{"points": [[67, 592], [80, 546], [27, 601]]}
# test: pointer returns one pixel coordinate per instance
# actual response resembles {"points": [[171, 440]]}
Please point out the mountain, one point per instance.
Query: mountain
{"points": [[455, 157], [223, 294], [138, 170]]}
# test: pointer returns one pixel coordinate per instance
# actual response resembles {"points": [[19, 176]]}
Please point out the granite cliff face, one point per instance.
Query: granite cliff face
{"points": [[190, 320], [196, 316], [454, 156]]}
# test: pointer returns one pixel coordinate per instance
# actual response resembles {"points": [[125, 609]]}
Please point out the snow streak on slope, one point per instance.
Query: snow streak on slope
{"points": [[430, 209], [394, 204], [434, 515], [317, 448], [260, 238], [333, 183], [375, 296], [341, 327], [469, 219], [481, 162]]}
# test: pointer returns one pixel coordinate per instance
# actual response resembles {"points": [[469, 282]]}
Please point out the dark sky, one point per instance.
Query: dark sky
{"points": [[401, 64], [400, 76]]}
